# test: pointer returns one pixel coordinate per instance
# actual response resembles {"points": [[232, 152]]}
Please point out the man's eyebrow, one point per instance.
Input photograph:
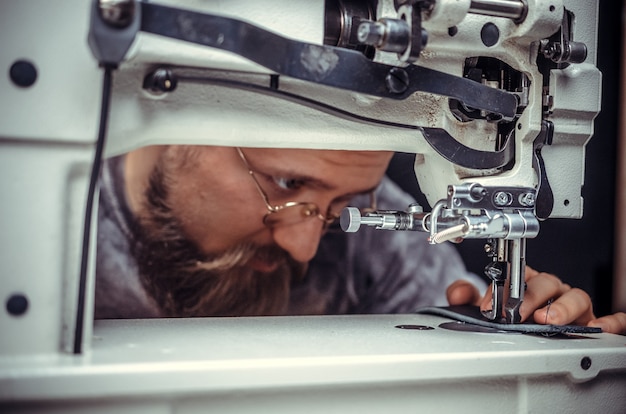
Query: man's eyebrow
{"points": [[319, 183]]}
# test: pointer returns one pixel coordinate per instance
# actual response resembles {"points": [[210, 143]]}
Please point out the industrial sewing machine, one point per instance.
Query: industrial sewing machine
{"points": [[495, 97]]}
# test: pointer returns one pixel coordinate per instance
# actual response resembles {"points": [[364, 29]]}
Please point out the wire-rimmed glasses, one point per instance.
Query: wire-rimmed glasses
{"points": [[291, 212]]}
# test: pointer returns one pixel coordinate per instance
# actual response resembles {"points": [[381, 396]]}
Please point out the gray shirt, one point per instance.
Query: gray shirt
{"points": [[371, 271]]}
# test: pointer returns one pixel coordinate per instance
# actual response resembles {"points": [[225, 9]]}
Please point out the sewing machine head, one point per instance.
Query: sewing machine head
{"points": [[485, 89], [503, 168], [496, 99]]}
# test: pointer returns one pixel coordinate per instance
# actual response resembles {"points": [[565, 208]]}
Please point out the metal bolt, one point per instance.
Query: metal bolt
{"points": [[371, 33], [397, 80], [117, 13], [477, 192], [495, 272], [502, 199], [527, 199], [161, 80], [415, 208]]}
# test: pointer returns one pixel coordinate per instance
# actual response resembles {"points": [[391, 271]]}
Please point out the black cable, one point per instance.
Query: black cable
{"points": [[292, 97], [93, 182]]}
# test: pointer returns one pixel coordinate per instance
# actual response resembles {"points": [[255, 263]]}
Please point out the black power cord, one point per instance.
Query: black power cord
{"points": [[93, 183]]}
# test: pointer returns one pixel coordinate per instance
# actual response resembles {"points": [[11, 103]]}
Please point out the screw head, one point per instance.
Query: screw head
{"points": [[495, 272], [371, 33], [117, 13], [397, 80], [160, 80], [527, 199], [502, 198]]}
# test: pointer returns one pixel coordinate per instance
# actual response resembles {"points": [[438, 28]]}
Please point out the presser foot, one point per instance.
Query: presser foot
{"points": [[497, 296], [511, 311]]}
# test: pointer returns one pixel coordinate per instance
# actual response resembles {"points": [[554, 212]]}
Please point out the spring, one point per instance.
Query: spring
{"points": [[452, 233]]}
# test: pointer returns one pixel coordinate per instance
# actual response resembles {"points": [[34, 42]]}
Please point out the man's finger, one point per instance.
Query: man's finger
{"points": [[615, 323], [541, 288], [530, 273], [573, 306], [463, 292]]}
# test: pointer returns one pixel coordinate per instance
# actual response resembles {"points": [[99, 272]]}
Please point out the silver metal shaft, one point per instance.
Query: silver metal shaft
{"points": [[517, 273], [512, 9]]}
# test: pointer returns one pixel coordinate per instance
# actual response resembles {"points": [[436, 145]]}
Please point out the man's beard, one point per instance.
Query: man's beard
{"points": [[186, 282]]}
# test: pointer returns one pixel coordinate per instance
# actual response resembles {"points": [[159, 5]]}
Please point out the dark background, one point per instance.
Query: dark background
{"points": [[579, 251]]}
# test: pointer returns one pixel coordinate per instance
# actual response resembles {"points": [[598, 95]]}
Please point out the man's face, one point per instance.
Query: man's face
{"points": [[214, 207]]}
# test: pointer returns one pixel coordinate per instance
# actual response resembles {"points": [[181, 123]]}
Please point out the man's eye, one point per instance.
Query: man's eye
{"points": [[288, 183]]}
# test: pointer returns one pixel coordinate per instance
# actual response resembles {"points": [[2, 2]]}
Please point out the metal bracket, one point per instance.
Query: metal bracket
{"points": [[545, 197], [464, 156], [327, 65]]}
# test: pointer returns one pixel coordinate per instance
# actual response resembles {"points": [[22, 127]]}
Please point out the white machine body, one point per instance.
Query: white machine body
{"points": [[55, 358]]}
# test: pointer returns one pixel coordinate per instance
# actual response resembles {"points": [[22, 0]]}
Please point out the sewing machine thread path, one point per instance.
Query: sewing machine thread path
{"points": [[185, 365]]}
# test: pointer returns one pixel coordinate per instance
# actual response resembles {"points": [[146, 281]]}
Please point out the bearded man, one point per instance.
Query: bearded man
{"points": [[221, 231]]}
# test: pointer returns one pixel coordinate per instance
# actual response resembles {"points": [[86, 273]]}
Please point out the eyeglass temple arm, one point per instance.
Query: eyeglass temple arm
{"points": [[256, 182]]}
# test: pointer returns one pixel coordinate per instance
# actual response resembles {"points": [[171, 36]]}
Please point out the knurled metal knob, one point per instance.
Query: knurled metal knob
{"points": [[350, 219]]}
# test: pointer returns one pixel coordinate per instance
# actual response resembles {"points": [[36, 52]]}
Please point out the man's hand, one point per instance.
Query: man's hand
{"points": [[547, 300], [568, 305]]}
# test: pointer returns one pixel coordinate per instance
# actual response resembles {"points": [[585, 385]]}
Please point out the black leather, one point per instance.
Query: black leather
{"points": [[472, 315]]}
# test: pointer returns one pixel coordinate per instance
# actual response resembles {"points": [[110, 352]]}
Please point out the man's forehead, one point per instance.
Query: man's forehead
{"points": [[337, 158], [351, 171]]}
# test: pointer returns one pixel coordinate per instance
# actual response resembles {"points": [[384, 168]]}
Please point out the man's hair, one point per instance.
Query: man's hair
{"points": [[186, 282]]}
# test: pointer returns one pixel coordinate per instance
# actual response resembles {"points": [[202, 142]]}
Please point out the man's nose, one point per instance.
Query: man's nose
{"points": [[300, 240]]}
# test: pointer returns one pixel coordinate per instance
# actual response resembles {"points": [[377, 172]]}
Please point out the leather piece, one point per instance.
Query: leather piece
{"points": [[472, 315]]}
